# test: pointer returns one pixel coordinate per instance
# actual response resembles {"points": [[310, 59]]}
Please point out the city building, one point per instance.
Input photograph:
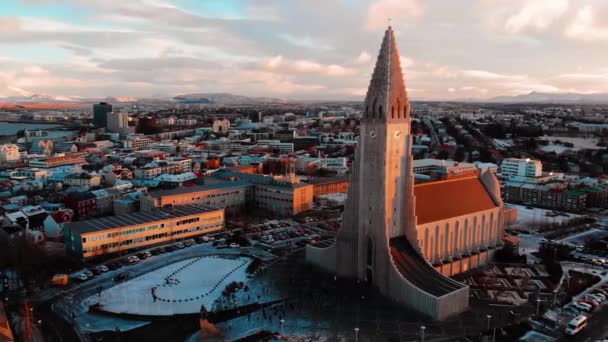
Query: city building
{"points": [[83, 179], [276, 195], [58, 160], [521, 167], [403, 239], [323, 186], [117, 122], [9, 153], [108, 235], [234, 196], [221, 126], [137, 143], [100, 113]]}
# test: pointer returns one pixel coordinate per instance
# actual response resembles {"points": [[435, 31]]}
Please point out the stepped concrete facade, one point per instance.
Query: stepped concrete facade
{"points": [[381, 240]]}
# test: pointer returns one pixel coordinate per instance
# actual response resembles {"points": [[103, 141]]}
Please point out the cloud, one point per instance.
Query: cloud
{"points": [[536, 15], [587, 25], [278, 63], [305, 41], [363, 58], [380, 11]]}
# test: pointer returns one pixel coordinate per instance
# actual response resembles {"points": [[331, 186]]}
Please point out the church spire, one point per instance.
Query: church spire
{"points": [[386, 98]]}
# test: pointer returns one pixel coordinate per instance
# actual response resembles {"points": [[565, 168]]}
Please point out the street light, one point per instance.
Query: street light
{"points": [[356, 334], [554, 296], [282, 322], [538, 300], [489, 317], [422, 329]]}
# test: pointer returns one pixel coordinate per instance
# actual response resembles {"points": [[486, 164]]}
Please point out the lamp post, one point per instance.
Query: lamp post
{"points": [[282, 322], [422, 329], [538, 306], [489, 317], [554, 297], [356, 334]]}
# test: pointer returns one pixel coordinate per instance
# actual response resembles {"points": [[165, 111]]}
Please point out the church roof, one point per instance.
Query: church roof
{"points": [[442, 200]]}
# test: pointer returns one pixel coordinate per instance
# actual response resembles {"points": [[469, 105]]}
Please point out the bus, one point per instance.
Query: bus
{"points": [[576, 325], [60, 280]]}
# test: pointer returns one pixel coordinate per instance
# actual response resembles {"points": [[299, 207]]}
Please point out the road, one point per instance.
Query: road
{"points": [[62, 308]]}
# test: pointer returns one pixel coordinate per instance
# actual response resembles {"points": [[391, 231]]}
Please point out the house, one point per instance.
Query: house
{"points": [[46, 147]]}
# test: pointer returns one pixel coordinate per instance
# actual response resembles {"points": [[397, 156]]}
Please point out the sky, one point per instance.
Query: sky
{"points": [[300, 49]]}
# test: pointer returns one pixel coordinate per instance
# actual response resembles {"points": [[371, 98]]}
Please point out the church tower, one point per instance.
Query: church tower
{"points": [[378, 241], [375, 211]]}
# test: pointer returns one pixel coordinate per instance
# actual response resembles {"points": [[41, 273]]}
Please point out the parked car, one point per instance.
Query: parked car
{"points": [[144, 255], [155, 251], [121, 277], [81, 277], [179, 245], [96, 271], [114, 266], [88, 273], [189, 243], [103, 268], [234, 245], [601, 296], [170, 248], [593, 304]]}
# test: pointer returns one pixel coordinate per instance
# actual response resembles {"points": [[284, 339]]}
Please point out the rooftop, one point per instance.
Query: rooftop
{"points": [[194, 189], [442, 200], [111, 222]]}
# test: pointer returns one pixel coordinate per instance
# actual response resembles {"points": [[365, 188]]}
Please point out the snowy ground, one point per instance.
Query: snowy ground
{"points": [[579, 144], [180, 288], [529, 218], [581, 238]]}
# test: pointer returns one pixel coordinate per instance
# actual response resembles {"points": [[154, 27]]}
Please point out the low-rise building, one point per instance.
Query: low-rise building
{"points": [[234, 197], [108, 235], [9, 153], [521, 167], [59, 160], [83, 179]]}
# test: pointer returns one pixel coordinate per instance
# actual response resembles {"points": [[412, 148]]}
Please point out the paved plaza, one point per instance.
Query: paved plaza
{"points": [[318, 306]]}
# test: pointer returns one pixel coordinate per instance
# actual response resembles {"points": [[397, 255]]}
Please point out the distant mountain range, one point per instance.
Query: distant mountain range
{"points": [[202, 98], [560, 98], [225, 98], [231, 99], [42, 98]]}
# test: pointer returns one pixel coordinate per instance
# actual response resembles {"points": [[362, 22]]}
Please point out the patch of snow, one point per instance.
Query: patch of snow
{"points": [[579, 144], [531, 217], [180, 288]]}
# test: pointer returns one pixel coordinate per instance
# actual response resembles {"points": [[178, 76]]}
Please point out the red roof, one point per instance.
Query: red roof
{"points": [[441, 200]]}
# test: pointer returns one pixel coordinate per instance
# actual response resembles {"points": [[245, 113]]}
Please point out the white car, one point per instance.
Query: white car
{"points": [[81, 277], [234, 245], [102, 268], [595, 298], [131, 259], [583, 306]]}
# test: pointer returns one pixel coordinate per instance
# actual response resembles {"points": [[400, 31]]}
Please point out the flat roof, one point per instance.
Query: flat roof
{"points": [[194, 189], [111, 222]]}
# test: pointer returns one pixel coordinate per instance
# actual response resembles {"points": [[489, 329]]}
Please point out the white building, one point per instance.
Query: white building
{"points": [[118, 122], [521, 167], [9, 153], [221, 126]]}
